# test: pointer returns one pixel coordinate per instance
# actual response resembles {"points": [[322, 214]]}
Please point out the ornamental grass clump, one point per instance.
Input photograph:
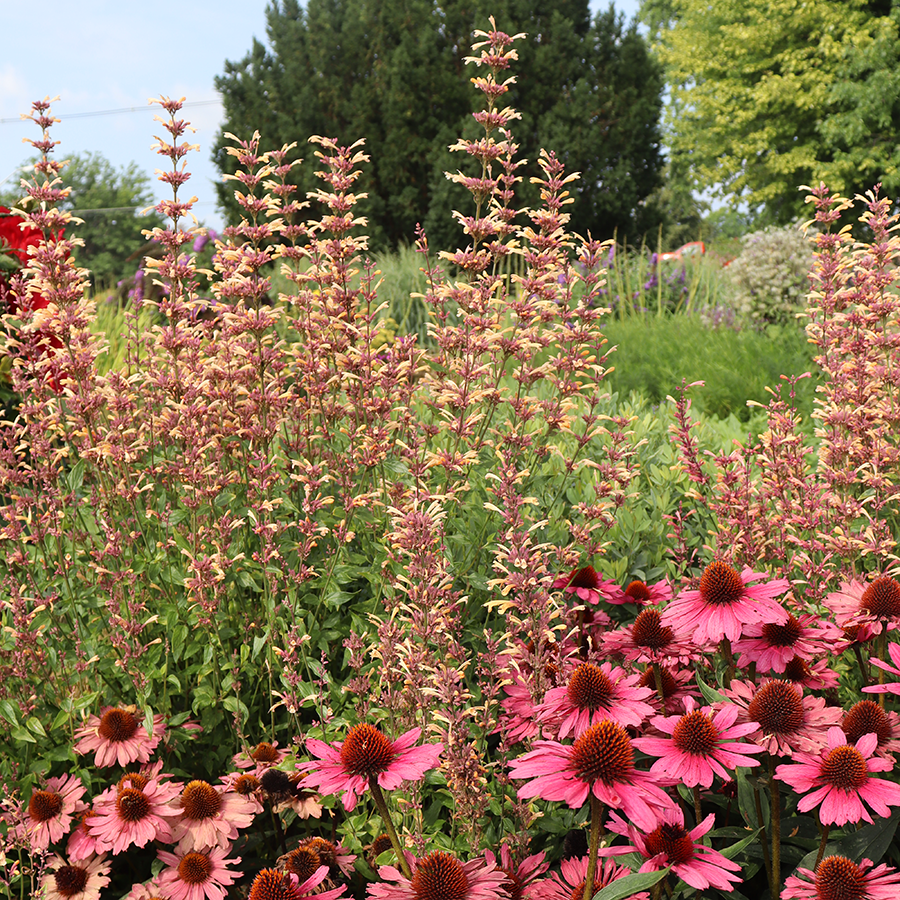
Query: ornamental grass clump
{"points": [[290, 609]]}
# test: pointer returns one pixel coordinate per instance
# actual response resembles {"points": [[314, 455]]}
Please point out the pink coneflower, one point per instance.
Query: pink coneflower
{"points": [[838, 878], [600, 762], [702, 745], [134, 814], [641, 594], [248, 786], [569, 883], [594, 693], [440, 876], [348, 766], [271, 884], [814, 675], [773, 646], [589, 587], [668, 843], [210, 816], [892, 687], [259, 758], [725, 603], [786, 720], [149, 890], [195, 874], [874, 604], [517, 720], [117, 737], [82, 843], [311, 853], [520, 881], [867, 717], [647, 640], [67, 880], [50, 810], [839, 780], [678, 685]]}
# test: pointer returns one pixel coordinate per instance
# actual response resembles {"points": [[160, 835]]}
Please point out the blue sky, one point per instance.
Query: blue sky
{"points": [[99, 55]]}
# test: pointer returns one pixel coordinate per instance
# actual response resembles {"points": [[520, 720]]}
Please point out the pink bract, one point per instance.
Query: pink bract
{"points": [[346, 766], [437, 872], [725, 604], [197, 874], [837, 876], [702, 745], [62, 877], [50, 811], [839, 780], [116, 736], [595, 693], [600, 762], [668, 843]]}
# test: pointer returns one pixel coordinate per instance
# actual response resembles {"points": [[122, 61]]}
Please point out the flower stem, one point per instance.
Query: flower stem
{"points": [[697, 814], [658, 680], [863, 669], [822, 843], [775, 814], [882, 652], [593, 846], [380, 802], [767, 862]]}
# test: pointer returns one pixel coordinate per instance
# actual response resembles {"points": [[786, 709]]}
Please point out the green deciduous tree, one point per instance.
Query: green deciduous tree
{"points": [[392, 72], [767, 95], [110, 202]]}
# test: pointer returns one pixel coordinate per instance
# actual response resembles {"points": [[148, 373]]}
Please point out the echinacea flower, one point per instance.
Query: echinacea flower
{"points": [[814, 674], [839, 878], [589, 587], [440, 876], [68, 880], [647, 640], [702, 745], [725, 603], [677, 686], [592, 694], [210, 816], [867, 717], [311, 853], [569, 883], [261, 757], [786, 719], [839, 781], [772, 646], [521, 883], [668, 843], [116, 736], [874, 604], [50, 810], [599, 763], [892, 687], [81, 843], [197, 874], [270, 884], [247, 785], [642, 594], [349, 766], [135, 814]]}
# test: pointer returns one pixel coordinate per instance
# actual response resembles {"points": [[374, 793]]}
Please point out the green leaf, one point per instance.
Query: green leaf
{"points": [[258, 643], [21, 734], [630, 884], [711, 695], [34, 724], [75, 478], [8, 711], [734, 849]]}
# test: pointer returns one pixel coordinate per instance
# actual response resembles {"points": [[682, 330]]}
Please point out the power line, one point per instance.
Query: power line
{"points": [[115, 112]]}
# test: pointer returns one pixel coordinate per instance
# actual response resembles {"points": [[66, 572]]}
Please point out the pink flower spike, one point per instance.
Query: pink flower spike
{"points": [[116, 736], [197, 874], [839, 780], [837, 876], [50, 810], [595, 693], [725, 603], [670, 844], [68, 880], [702, 745], [440, 875], [366, 753], [892, 687], [600, 762]]}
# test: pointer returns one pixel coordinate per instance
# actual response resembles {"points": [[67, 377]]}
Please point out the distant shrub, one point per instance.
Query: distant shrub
{"points": [[770, 275]]}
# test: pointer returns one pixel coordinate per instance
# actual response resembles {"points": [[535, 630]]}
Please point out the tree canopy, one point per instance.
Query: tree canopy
{"points": [[768, 95], [393, 72]]}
